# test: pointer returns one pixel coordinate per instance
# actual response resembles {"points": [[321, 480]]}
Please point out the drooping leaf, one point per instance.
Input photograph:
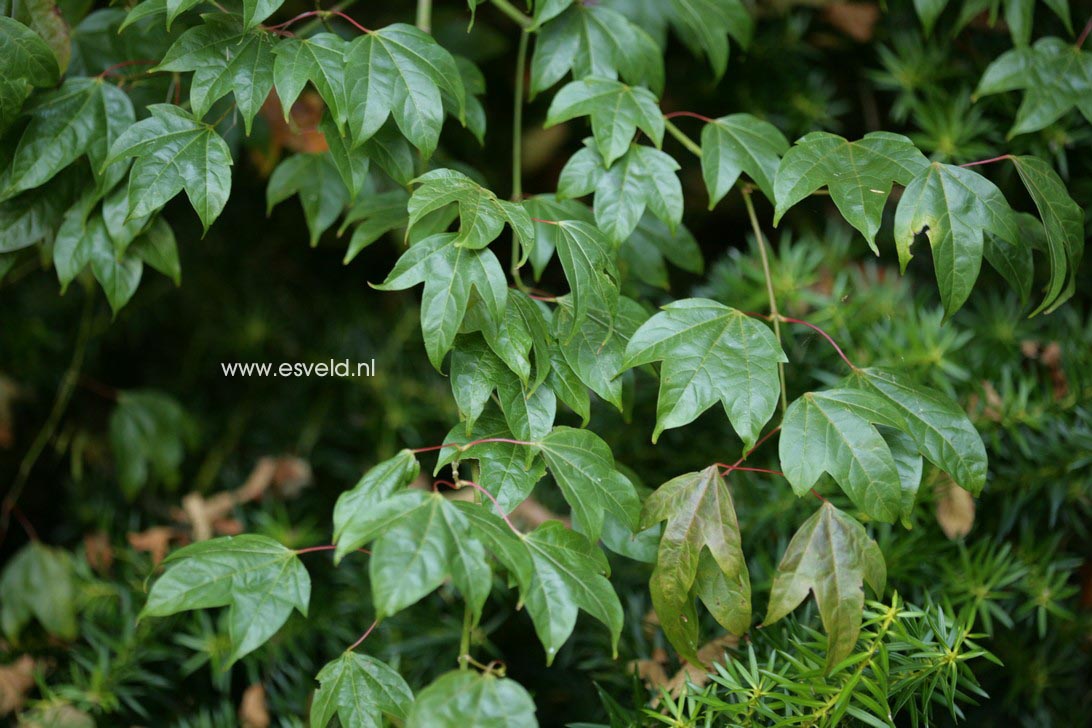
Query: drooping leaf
{"points": [[421, 540], [504, 469], [833, 431], [319, 59], [953, 206], [910, 465], [36, 214], [38, 583], [1012, 258], [936, 424], [521, 339], [643, 254], [83, 117], [465, 698], [710, 352], [157, 247], [351, 163], [1055, 76], [700, 518], [400, 71], [26, 56], [258, 579], [374, 216], [482, 216], [617, 111], [590, 270], [449, 272], [117, 272], [858, 174], [175, 152], [225, 58], [322, 192], [831, 556], [740, 143], [359, 690], [595, 349], [1063, 221], [592, 40], [583, 466], [641, 178], [704, 26], [559, 572], [149, 433], [375, 486]]}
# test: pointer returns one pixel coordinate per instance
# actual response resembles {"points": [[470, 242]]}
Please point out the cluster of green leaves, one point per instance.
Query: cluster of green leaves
{"points": [[89, 166]]}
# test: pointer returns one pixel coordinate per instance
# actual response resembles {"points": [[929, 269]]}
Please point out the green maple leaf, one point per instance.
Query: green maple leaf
{"points": [[642, 178], [586, 257], [36, 214], [1063, 221], [591, 40], [175, 152], [319, 59], [351, 163], [643, 254], [374, 216], [559, 572], [38, 583], [84, 240], [400, 71], [594, 350], [858, 175], [617, 111], [476, 371], [258, 579], [375, 486], [1055, 76], [831, 556], [463, 698], [704, 26], [710, 352], [359, 690], [254, 11], [158, 248], [83, 117], [740, 143], [225, 58], [449, 272], [954, 207], [934, 422], [701, 522], [521, 339], [317, 181], [584, 468], [26, 56], [834, 432], [421, 540], [482, 216], [506, 470]]}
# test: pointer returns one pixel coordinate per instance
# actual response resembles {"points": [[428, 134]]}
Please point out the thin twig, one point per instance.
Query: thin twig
{"points": [[331, 547], [769, 290], [1084, 33], [496, 505], [363, 637], [991, 160], [682, 138], [472, 443], [691, 114], [824, 334]]}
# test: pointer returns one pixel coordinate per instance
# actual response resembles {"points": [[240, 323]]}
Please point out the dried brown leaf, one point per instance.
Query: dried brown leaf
{"points": [[955, 509], [253, 712], [16, 680]]}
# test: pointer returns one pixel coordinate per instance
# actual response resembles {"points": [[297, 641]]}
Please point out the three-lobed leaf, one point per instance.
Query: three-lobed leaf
{"points": [[617, 111], [859, 174], [258, 579], [738, 143], [359, 690], [401, 72], [831, 556], [700, 522], [449, 272], [710, 353], [954, 207], [482, 215], [175, 151], [642, 178]]}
